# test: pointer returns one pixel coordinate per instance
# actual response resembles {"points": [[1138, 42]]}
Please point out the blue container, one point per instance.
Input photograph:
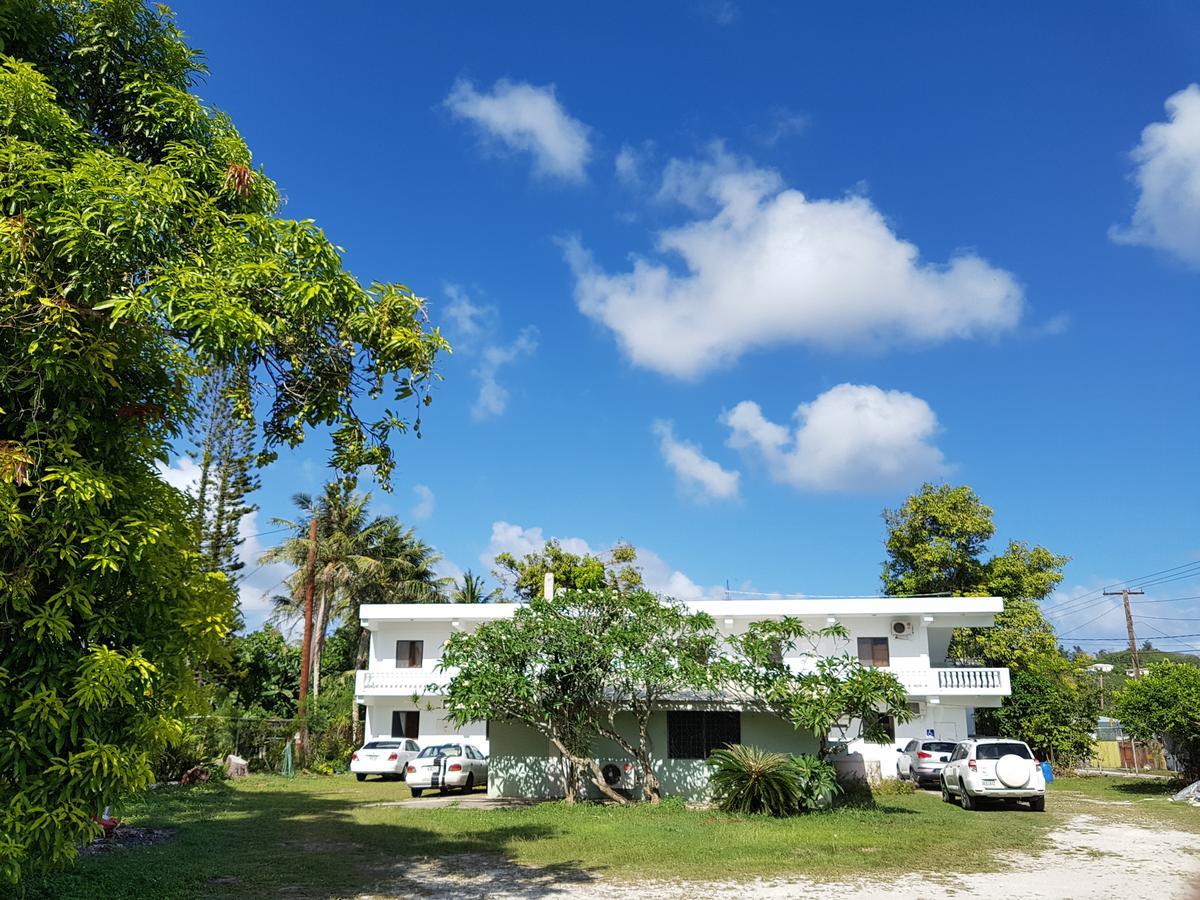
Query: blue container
{"points": [[1047, 772]]}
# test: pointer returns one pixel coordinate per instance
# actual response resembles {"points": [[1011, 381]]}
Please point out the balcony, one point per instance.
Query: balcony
{"points": [[955, 681], [398, 682]]}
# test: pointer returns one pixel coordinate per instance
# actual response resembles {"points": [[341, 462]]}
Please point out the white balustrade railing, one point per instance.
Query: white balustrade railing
{"points": [[403, 682]]}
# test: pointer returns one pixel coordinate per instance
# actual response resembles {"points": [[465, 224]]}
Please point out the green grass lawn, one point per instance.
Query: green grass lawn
{"points": [[323, 837]]}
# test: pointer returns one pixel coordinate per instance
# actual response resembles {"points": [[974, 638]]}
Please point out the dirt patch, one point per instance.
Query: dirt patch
{"points": [[128, 837], [1088, 857]]}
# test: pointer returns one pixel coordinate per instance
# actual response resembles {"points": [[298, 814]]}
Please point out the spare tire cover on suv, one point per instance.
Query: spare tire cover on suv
{"points": [[1012, 770]]}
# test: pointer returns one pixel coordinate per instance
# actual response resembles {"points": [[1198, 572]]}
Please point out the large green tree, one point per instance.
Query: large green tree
{"points": [[615, 570], [224, 450], [140, 247], [937, 543], [1165, 703]]}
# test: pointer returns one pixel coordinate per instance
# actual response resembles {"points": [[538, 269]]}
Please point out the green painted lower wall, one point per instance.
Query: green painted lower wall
{"points": [[522, 763]]}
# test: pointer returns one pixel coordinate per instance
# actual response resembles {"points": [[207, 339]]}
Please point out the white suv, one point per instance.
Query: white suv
{"points": [[993, 767]]}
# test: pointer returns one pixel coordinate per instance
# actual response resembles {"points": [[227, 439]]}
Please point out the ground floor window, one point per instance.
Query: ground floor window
{"points": [[406, 724], [695, 734]]}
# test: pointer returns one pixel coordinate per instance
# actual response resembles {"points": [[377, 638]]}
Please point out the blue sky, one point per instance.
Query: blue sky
{"points": [[724, 280]]}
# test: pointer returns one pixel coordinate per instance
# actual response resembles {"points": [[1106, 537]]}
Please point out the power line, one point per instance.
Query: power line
{"points": [[1088, 622], [1168, 600], [1136, 581]]}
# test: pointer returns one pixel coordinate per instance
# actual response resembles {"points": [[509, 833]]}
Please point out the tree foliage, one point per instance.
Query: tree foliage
{"points": [[139, 247], [937, 543], [471, 588], [785, 668], [1165, 703], [225, 455], [615, 570]]}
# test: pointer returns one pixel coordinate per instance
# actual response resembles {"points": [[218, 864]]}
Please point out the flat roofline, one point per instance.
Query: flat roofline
{"points": [[800, 607]]}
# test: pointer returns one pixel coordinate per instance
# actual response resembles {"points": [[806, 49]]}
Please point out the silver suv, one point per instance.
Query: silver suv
{"points": [[993, 767], [923, 760]]}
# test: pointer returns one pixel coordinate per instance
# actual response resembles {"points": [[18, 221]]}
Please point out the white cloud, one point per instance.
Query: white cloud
{"points": [[851, 438], [697, 474], [1167, 215], [474, 330], [657, 574], [783, 123], [526, 118], [426, 502], [722, 12], [468, 317], [182, 474], [259, 583], [763, 265], [493, 397]]}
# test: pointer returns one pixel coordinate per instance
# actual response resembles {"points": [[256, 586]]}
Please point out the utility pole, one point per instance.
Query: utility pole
{"points": [[1133, 651], [310, 572]]}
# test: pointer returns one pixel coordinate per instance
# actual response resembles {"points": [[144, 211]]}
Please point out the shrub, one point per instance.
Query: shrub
{"points": [[752, 780], [818, 781], [894, 787]]}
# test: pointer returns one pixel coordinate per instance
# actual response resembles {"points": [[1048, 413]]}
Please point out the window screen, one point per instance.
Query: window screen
{"points": [[406, 723], [695, 734], [873, 651], [410, 654]]}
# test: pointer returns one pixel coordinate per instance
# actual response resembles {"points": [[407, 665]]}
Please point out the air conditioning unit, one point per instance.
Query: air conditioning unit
{"points": [[902, 628], [618, 774]]}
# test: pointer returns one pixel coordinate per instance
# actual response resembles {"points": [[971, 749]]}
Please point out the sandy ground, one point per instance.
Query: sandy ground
{"points": [[1091, 858]]}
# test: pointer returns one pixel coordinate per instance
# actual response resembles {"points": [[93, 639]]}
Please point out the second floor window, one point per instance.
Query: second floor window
{"points": [[873, 652], [410, 654]]}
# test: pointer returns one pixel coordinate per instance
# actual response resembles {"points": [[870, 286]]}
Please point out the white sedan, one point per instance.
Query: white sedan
{"points": [[446, 766], [384, 757]]}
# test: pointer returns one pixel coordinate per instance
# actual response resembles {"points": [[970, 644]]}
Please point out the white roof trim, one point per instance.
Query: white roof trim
{"points": [[800, 607]]}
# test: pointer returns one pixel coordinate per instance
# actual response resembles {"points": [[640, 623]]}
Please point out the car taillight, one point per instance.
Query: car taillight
{"points": [[971, 765], [628, 767], [392, 757], [921, 754], [353, 756], [455, 767], [411, 770]]}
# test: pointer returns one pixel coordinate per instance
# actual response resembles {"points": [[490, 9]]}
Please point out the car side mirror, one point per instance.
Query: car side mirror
{"points": [[899, 749]]}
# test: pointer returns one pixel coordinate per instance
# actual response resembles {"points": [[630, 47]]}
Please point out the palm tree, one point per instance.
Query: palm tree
{"points": [[359, 560], [470, 588]]}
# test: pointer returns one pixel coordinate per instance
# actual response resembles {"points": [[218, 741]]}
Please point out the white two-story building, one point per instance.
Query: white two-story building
{"points": [[401, 687]]}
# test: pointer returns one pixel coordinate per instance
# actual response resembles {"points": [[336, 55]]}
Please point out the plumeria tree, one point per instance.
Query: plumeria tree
{"points": [[140, 248], [798, 674]]}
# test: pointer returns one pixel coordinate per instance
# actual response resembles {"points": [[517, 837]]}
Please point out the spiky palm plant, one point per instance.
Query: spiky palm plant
{"points": [[753, 780]]}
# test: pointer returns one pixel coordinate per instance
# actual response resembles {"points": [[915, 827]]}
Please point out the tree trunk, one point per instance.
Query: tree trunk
{"points": [[588, 764], [651, 788], [318, 643]]}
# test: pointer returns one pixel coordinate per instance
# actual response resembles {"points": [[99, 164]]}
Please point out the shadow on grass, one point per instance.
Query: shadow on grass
{"points": [[253, 843], [1149, 787]]}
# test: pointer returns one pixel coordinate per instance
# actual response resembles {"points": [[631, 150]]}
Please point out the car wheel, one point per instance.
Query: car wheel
{"points": [[946, 798], [967, 801], [416, 792], [470, 785], [1038, 804], [360, 776]]}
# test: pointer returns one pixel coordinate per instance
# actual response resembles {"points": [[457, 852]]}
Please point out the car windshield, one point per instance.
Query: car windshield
{"points": [[938, 746], [381, 745], [995, 751], [440, 751]]}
